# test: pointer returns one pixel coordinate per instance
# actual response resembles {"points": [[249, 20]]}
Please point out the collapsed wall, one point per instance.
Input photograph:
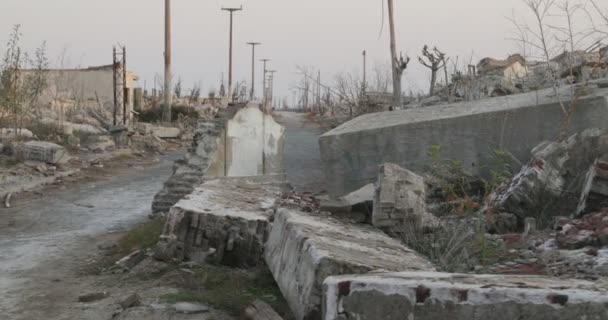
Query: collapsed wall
{"points": [[303, 250], [189, 171], [467, 131], [225, 221], [430, 295]]}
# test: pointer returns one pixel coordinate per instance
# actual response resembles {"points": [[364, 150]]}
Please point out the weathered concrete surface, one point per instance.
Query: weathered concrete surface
{"points": [[439, 296], [204, 156], [302, 251], [226, 220], [10, 133], [42, 151], [554, 176], [594, 196], [466, 131], [254, 144], [159, 131], [400, 198]]}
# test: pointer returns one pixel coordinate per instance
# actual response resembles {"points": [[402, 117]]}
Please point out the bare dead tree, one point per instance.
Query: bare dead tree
{"points": [[436, 61], [549, 39], [399, 64]]}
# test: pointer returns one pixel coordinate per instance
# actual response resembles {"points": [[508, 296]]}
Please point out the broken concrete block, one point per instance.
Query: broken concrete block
{"points": [[302, 251], [590, 230], [553, 176], [400, 198], [347, 202], [594, 196], [467, 132], [10, 133], [430, 296], [42, 151], [227, 217], [165, 132]]}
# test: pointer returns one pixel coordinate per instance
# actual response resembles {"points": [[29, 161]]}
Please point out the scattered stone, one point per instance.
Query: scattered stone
{"points": [[106, 246], [7, 200], [260, 310], [42, 151], [127, 263], [131, 301], [590, 230], [10, 133], [400, 198], [303, 250], [190, 308], [424, 295], [92, 297]]}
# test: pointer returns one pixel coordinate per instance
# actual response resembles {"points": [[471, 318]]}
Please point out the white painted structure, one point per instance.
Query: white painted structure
{"points": [[254, 144]]}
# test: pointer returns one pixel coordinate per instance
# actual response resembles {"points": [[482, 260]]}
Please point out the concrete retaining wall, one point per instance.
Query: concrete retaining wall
{"points": [[435, 296], [467, 131]]}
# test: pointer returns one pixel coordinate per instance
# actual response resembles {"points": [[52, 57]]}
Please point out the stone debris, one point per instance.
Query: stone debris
{"points": [[226, 220], [131, 301], [190, 308], [552, 176], [260, 310], [303, 250], [129, 262], [92, 297], [594, 196], [590, 230], [42, 151], [424, 295], [400, 198], [11, 133]]}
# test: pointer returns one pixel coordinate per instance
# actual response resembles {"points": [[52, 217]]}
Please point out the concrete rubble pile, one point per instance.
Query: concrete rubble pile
{"points": [[330, 267], [556, 174]]}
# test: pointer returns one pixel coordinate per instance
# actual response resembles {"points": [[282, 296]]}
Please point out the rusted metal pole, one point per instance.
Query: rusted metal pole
{"points": [[168, 97], [231, 10], [253, 44], [364, 85]]}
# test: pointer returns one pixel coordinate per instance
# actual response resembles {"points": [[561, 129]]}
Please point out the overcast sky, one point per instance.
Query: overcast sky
{"points": [[329, 34]]}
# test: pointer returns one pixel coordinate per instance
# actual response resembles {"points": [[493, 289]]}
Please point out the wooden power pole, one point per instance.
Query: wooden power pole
{"points": [[264, 94], [231, 10], [168, 96], [253, 44]]}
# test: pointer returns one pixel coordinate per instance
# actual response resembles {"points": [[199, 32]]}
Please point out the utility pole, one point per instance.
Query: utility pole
{"points": [[166, 110], [231, 10], [270, 87], [364, 85], [319, 92], [264, 84], [253, 44]]}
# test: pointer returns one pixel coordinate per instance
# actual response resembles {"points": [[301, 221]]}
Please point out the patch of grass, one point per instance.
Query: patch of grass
{"points": [[141, 237], [231, 290]]}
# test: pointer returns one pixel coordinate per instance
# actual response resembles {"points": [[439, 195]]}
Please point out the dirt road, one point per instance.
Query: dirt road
{"points": [[57, 224], [302, 156]]}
